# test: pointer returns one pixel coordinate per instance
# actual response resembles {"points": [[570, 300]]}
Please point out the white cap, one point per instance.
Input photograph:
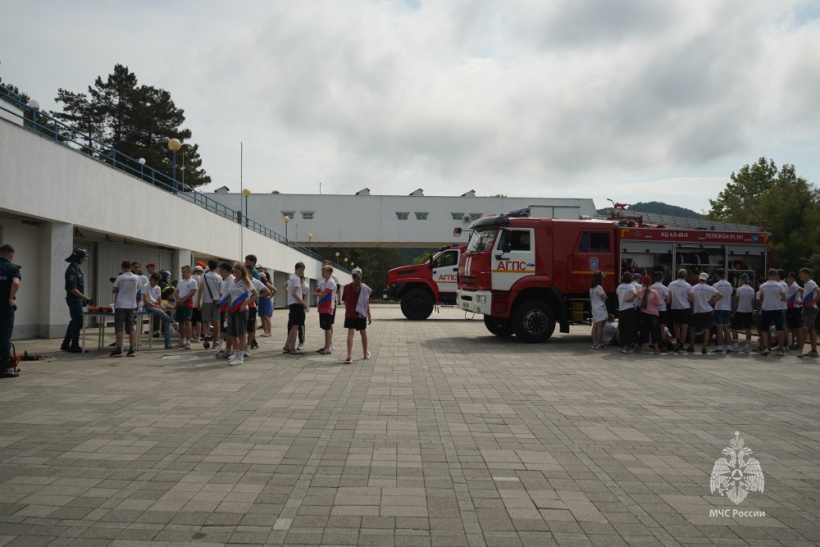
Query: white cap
{"points": [[703, 276], [356, 270]]}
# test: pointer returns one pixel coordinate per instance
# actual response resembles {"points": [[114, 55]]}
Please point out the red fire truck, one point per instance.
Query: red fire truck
{"points": [[524, 274], [420, 287]]}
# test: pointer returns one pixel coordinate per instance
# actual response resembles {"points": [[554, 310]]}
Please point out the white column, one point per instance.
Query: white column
{"points": [[57, 244], [182, 257]]}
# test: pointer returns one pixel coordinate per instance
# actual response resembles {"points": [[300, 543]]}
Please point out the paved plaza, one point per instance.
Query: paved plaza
{"points": [[448, 436]]}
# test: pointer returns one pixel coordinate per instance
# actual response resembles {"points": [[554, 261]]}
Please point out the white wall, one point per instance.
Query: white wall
{"points": [[61, 189], [361, 221]]}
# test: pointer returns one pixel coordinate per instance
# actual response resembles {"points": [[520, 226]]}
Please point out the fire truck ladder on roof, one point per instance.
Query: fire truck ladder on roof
{"points": [[671, 221]]}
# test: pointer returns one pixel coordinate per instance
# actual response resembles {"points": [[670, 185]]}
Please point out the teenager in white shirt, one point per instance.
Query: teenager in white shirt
{"points": [[744, 307], [680, 306], [185, 300], [663, 307], [196, 315], [296, 309], [627, 314], [703, 297], [597, 304], [811, 293], [772, 296], [242, 295], [208, 298], [262, 292], [225, 345], [125, 300], [793, 312], [152, 299], [723, 313]]}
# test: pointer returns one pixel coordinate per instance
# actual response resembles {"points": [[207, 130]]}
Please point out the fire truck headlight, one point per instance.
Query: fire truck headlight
{"points": [[481, 299]]}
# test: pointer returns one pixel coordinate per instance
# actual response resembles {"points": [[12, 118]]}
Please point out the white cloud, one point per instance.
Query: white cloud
{"points": [[542, 98]]}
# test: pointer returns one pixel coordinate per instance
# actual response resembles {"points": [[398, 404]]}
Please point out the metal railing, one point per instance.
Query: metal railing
{"points": [[45, 125]]}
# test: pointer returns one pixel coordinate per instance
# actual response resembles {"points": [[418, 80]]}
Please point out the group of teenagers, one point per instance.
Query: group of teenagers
{"points": [[661, 318], [219, 303]]}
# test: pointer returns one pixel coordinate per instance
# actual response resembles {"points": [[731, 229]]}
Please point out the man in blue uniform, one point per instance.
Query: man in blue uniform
{"points": [[9, 284], [75, 298]]}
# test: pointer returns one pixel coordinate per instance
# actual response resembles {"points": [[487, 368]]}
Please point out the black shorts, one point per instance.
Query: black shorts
{"points": [[333, 316], [769, 318], [681, 316], [251, 319], [701, 321], [742, 320], [794, 318], [326, 321], [663, 317], [196, 316], [296, 316], [357, 323]]}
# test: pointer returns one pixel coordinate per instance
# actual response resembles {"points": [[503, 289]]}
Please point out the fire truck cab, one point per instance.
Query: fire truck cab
{"points": [[524, 275], [419, 287]]}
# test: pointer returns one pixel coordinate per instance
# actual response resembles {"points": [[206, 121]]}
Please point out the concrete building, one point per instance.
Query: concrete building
{"points": [[53, 199], [364, 220]]}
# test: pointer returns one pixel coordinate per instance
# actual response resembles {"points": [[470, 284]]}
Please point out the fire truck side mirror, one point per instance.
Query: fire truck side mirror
{"points": [[457, 231], [506, 248]]}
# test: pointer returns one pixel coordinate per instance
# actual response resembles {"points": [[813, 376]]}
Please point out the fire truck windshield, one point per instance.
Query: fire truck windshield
{"points": [[482, 241]]}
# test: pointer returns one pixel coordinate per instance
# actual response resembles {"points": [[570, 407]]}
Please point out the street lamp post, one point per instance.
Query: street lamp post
{"points": [[142, 167], [310, 238], [245, 193], [174, 145], [286, 219]]}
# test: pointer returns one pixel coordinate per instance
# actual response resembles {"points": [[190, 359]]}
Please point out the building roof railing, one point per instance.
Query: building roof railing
{"points": [[49, 127]]}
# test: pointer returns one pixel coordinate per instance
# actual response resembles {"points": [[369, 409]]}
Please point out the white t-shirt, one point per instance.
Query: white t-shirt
{"points": [[745, 299], [597, 298], [184, 288], [662, 291], [724, 288], [702, 293], [808, 293], [213, 281], [258, 286], [293, 281], [623, 291], [680, 290], [770, 293], [793, 297], [325, 284], [237, 290], [126, 284], [785, 287], [152, 294], [225, 290]]}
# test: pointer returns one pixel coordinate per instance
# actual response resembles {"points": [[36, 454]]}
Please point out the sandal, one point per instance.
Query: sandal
{"points": [[348, 361], [367, 356]]}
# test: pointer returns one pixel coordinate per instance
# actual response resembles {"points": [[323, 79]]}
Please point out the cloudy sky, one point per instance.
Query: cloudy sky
{"points": [[633, 100]]}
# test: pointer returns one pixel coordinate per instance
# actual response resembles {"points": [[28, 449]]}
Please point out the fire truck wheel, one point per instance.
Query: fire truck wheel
{"points": [[498, 326], [417, 304], [533, 321]]}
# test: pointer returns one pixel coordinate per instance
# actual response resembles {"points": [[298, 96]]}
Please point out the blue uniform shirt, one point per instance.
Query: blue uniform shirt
{"points": [[74, 279], [8, 272]]}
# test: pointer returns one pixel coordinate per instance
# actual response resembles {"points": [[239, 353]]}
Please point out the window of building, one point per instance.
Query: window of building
{"points": [[457, 216], [402, 216], [421, 216], [308, 215], [289, 214], [475, 216]]}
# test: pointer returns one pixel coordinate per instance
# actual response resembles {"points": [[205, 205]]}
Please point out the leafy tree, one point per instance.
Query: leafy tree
{"points": [[780, 200], [374, 262], [423, 258], [137, 120]]}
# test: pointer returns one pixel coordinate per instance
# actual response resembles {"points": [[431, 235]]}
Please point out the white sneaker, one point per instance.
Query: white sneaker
{"points": [[300, 347], [237, 359], [248, 351], [187, 345]]}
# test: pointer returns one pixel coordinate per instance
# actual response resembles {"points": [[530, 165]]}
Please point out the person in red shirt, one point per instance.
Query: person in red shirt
{"points": [[357, 312]]}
